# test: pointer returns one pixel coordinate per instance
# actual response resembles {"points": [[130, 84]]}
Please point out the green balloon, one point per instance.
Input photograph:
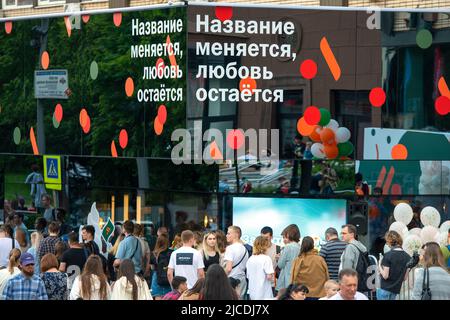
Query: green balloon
{"points": [[17, 135], [345, 149], [55, 122], [325, 117], [94, 70]]}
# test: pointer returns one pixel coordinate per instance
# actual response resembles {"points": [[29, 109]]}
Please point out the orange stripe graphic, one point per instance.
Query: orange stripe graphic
{"points": [[330, 58], [172, 59], [33, 142], [443, 88]]}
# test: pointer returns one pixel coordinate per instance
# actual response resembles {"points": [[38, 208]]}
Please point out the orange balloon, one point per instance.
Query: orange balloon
{"points": [[45, 60], [303, 127], [158, 126], [315, 134], [399, 152], [327, 136], [129, 87], [331, 151]]}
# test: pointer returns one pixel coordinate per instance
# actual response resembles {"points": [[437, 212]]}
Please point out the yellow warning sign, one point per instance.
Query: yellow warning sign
{"points": [[52, 172]]}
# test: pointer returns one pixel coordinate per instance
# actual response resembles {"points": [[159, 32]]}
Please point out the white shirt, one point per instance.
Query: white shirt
{"points": [[5, 276], [75, 293], [234, 253], [185, 262], [358, 296], [258, 267], [5, 249]]}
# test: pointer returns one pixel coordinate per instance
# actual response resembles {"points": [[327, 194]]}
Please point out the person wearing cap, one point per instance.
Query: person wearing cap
{"points": [[26, 285]]}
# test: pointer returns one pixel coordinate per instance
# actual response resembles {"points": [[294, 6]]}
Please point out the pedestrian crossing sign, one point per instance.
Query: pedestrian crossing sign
{"points": [[52, 172]]}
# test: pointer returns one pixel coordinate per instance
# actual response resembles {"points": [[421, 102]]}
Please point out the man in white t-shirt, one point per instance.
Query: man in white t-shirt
{"points": [[236, 256], [186, 261], [348, 283]]}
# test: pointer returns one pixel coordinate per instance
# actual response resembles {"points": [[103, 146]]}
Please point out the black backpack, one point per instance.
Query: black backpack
{"points": [[362, 268], [162, 263]]}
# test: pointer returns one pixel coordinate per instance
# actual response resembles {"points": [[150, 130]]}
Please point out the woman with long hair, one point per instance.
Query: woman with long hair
{"points": [[160, 261], [194, 292], [92, 284], [112, 257], [310, 269], [12, 270], [210, 250], [293, 292], [434, 272], [129, 286], [56, 282], [217, 286]]}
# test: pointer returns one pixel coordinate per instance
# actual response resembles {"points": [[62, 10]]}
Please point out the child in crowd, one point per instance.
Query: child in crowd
{"points": [[179, 285], [331, 288]]}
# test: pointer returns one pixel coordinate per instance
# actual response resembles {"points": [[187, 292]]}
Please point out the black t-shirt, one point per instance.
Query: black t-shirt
{"points": [[396, 260], [315, 182], [212, 260], [74, 257]]}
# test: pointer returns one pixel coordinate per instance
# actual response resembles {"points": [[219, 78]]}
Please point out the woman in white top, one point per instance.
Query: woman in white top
{"points": [[129, 286], [12, 270], [260, 271], [92, 284]]}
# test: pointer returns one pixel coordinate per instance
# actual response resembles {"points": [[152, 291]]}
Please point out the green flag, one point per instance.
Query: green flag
{"points": [[108, 230]]}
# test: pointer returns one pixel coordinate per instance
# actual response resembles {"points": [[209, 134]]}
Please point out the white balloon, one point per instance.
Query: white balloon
{"points": [[333, 125], [415, 231], [442, 239], [317, 150], [428, 234], [429, 216], [445, 226], [403, 213], [342, 135], [400, 228], [412, 243]]}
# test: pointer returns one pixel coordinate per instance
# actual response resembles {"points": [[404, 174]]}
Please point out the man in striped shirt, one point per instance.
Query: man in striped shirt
{"points": [[332, 252]]}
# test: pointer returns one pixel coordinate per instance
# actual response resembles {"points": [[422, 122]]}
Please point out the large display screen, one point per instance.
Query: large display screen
{"points": [[313, 216]]}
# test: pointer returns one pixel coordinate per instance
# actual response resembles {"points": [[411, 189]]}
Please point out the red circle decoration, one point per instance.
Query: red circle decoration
{"points": [[308, 69], [58, 113], [312, 115], [235, 139], [377, 97], [123, 138], [162, 114], [442, 105], [224, 13]]}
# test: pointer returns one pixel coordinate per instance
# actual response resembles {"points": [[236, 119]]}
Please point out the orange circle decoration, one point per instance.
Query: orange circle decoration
{"points": [[129, 87], [123, 138], [87, 126], [399, 152], [117, 18], [8, 27], [331, 151], [304, 128], [315, 134], [327, 136], [83, 117], [158, 126], [247, 84], [45, 60]]}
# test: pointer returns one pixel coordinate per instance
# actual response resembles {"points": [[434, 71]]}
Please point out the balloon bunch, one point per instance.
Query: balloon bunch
{"points": [[431, 232], [331, 141]]}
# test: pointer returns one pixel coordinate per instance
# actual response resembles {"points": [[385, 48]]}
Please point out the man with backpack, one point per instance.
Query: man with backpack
{"points": [[129, 248], [273, 252], [236, 256], [356, 257]]}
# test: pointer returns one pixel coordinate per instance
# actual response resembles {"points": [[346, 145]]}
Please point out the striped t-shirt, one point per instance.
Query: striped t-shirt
{"points": [[332, 252]]}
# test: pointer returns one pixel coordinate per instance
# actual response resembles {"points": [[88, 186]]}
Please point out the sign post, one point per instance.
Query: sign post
{"points": [[52, 172]]}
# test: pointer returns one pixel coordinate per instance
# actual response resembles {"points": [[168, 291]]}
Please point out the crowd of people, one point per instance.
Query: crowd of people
{"points": [[209, 265]]}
